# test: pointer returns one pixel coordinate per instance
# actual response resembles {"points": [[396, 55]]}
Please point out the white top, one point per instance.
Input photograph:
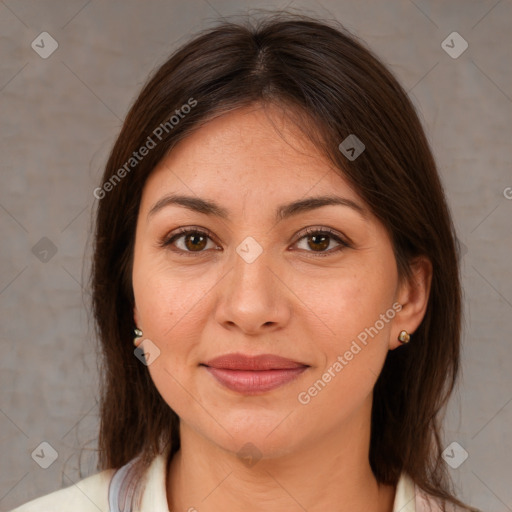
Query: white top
{"points": [[92, 494]]}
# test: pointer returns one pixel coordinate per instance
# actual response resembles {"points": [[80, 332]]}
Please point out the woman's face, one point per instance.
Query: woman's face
{"points": [[313, 283]]}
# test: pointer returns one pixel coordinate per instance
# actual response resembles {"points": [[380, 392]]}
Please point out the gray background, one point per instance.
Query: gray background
{"points": [[59, 118]]}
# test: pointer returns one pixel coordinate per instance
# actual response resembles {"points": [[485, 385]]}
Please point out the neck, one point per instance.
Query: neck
{"points": [[330, 473]]}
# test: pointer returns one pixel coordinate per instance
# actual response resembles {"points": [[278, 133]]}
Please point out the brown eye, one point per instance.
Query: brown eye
{"points": [[195, 241], [319, 240], [189, 241]]}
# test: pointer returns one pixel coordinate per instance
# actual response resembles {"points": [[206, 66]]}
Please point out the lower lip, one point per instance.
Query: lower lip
{"points": [[253, 382]]}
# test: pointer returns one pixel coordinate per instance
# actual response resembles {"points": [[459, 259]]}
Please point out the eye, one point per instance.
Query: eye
{"points": [[319, 239], [189, 240], [195, 240]]}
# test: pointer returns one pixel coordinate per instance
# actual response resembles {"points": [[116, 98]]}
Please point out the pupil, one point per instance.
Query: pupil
{"points": [[323, 244], [196, 243]]}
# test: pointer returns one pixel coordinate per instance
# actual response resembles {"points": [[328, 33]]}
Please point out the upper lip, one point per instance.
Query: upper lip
{"points": [[260, 362]]}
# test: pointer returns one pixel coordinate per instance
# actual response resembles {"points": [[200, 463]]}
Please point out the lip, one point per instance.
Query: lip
{"points": [[253, 374], [260, 362]]}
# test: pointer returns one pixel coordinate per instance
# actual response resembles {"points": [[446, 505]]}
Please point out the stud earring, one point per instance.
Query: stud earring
{"points": [[137, 337], [404, 337]]}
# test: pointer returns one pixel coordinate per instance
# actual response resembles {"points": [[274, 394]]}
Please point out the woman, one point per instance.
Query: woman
{"points": [[272, 233]]}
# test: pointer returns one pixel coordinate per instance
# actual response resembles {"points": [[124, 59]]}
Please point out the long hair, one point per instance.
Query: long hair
{"points": [[332, 86]]}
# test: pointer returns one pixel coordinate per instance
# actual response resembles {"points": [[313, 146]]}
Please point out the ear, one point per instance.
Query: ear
{"points": [[412, 294]]}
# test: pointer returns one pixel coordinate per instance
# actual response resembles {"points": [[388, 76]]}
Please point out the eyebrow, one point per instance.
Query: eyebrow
{"points": [[285, 211]]}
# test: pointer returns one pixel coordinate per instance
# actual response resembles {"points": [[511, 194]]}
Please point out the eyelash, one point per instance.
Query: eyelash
{"points": [[169, 239]]}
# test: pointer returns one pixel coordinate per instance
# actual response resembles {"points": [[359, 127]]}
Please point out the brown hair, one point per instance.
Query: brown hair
{"points": [[332, 86]]}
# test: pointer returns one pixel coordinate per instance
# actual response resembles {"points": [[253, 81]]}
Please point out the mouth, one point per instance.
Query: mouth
{"points": [[251, 375]]}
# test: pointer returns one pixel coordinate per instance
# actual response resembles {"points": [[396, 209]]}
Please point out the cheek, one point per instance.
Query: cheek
{"points": [[172, 309], [360, 315], [356, 305], [350, 302], [166, 299], [172, 312]]}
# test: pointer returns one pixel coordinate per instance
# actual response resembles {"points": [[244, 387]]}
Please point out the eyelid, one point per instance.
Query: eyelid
{"points": [[169, 238], [343, 241], [341, 238]]}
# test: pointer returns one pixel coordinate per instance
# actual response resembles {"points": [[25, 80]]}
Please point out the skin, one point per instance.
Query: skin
{"points": [[290, 301]]}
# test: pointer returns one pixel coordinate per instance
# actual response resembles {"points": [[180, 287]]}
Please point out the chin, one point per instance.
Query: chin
{"points": [[257, 434]]}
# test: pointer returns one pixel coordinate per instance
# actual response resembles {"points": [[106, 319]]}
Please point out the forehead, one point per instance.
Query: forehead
{"points": [[245, 152]]}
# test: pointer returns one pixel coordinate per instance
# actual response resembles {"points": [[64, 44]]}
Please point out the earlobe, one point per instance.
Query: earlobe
{"points": [[413, 295]]}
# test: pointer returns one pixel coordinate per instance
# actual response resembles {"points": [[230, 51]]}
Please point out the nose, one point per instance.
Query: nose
{"points": [[251, 298]]}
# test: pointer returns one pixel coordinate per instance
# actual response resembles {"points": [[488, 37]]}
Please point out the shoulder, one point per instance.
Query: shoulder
{"points": [[428, 503], [87, 495], [116, 487], [410, 497]]}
